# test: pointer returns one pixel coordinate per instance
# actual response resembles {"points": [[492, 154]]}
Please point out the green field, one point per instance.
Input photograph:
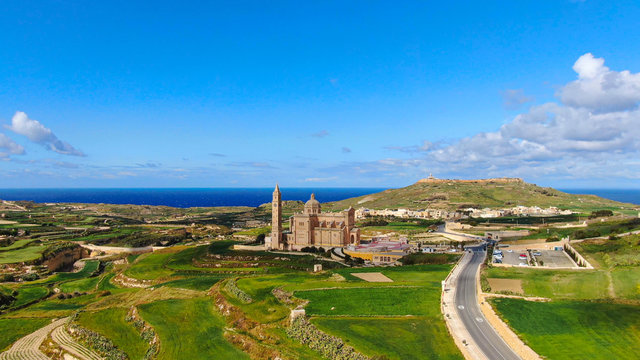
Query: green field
{"points": [[150, 266], [28, 294], [12, 329], [395, 338], [18, 244], [28, 253], [200, 283], [575, 330], [373, 301], [90, 268], [570, 284], [82, 285], [189, 329], [112, 324]]}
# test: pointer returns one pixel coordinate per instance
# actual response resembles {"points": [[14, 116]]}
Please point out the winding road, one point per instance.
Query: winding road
{"points": [[466, 303]]}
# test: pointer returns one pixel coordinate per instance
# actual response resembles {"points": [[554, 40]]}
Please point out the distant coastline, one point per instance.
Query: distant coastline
{"points": [[622, 195]]}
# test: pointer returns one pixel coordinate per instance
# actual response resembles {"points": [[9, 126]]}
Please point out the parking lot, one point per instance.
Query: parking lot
{"points": [[547, 258], [552, 258], [512, 258]]}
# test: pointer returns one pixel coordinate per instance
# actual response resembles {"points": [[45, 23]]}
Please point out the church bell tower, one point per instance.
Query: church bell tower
{"points": [[276, 220]]}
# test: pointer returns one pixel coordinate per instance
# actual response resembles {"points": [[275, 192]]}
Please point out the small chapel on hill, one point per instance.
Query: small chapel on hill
{"points": [[311, 227]]}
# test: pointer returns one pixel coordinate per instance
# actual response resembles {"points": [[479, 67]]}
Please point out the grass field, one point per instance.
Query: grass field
{"points": [[82, 285], [200, 283], [89, 269], [18, 244], [575, 330], [396, 338], [583, 284], [189, 329], [373, 301], [626, 282], [112, 324], [29, 294], [12, 329], [28, 253], [150, 266]]}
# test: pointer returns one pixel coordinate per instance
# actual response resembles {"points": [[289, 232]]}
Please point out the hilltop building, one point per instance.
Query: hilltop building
{"points": [[312, 227]]}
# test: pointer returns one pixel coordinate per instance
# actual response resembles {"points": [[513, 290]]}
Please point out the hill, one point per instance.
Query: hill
{"points": [[492, 193]]}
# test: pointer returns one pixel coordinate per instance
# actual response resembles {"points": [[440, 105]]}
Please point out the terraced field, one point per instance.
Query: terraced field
{"points": [[28, 347], [189, 329], [67, 343]]}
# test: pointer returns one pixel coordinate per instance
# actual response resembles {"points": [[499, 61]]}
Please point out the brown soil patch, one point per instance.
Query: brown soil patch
{"points": [[372, 277], [509, 285]]}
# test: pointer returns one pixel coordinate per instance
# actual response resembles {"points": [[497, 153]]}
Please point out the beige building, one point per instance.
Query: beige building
{"points": [[312, 227]]}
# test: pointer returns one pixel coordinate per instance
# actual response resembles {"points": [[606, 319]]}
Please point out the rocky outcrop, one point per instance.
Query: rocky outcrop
{"points": [[65, 259]]}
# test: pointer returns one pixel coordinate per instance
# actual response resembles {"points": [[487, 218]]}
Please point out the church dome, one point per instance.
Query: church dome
{"points": [[312, 206]]}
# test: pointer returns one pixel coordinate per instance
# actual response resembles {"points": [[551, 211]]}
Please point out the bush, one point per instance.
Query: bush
{"points": [[600, 213], [420, 258], [30, 277]]}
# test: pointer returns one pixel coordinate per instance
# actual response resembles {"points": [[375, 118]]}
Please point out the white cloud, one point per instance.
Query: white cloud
{"points": [[11, 146], [600, 89], [592, 132], [319, 179], [38, 133]]}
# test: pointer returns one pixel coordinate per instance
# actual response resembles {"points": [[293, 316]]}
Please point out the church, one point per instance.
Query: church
{"points": [[311, 227]]}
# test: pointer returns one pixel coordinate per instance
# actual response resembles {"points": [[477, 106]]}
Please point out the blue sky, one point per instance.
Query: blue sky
{"points": [[318, 93]]}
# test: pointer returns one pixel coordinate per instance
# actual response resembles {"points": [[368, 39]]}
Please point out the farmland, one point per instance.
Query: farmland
{"points": [[575, 329]]}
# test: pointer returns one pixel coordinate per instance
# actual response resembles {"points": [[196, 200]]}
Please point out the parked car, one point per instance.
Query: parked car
{"points": [[523, 264], [510, 250], [523, 256], [537, 253]]}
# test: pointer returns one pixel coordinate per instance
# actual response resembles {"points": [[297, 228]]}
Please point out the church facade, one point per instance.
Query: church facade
{"points": [[311, 227]]}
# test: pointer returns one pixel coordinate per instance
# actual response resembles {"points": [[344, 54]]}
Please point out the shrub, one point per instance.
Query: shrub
{"points": [[30, 277]]}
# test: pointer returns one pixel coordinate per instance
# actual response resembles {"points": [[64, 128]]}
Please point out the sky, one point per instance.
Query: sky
{"points": [[318, 93]]}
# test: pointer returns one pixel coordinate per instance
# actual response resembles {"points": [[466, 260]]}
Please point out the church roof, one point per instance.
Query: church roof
{"points": [[312, 201]]}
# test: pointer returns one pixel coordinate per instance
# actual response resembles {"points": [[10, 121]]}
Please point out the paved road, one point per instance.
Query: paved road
{"points": [[466, 303]]}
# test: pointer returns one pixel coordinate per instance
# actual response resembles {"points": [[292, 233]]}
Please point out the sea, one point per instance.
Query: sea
{"points": [[192, 197], [181, 197]]}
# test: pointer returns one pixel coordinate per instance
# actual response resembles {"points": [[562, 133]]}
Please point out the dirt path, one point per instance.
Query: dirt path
{"points": [[612, 290], [28, 347]]}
